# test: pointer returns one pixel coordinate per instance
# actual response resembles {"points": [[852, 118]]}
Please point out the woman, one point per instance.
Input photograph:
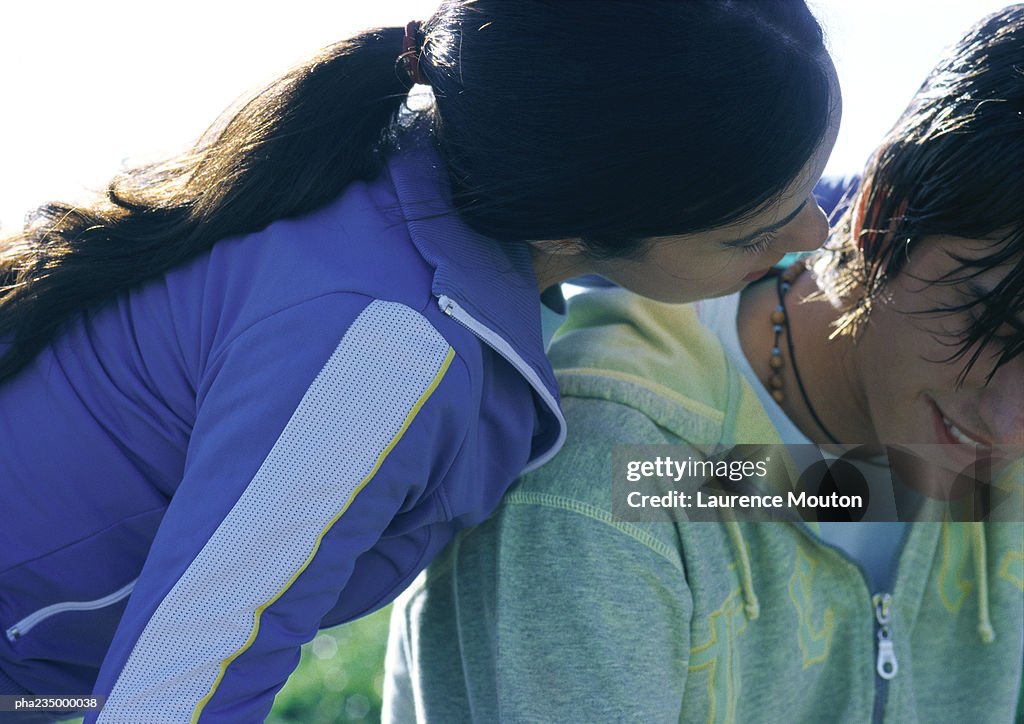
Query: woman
{"points": [[255, 389], [563, 608]]}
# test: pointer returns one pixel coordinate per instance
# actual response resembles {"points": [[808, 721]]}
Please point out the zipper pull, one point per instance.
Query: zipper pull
{"points": [[13, 634], [446, 304], [886, 666]]}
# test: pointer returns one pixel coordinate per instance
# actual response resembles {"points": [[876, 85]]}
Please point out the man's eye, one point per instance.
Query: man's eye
{"points": [[1008, 331]]}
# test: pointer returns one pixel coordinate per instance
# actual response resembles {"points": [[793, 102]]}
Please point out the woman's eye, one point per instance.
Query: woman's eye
{"points": [[760, 245]]}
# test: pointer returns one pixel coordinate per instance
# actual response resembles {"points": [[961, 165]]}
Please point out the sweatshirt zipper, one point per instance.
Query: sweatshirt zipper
{"points": [[886, 665], [26, 624], [498, 343]]}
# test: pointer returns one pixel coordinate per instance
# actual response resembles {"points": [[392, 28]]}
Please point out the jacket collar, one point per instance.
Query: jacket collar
{"points": [[493, 282]]}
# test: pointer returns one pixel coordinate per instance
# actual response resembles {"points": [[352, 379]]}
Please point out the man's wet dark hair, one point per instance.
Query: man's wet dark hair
{"points": [[953, 165]]}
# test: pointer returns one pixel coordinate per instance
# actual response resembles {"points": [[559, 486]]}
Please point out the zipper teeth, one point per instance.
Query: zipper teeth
{"points": [[26, 624]]}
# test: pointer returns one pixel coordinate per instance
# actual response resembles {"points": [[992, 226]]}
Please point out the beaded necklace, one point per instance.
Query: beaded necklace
{"points": [[779, 319]]}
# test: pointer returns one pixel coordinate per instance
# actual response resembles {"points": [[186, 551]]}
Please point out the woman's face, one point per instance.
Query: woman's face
{"points": [[911, 394], [721, 261]]}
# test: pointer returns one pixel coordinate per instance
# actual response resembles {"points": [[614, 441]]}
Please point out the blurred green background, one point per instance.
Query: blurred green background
{"points": [[340, 675]]}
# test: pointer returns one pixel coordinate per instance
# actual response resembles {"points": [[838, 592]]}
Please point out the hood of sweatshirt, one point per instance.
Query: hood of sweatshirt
{"points": [[659, 359]]}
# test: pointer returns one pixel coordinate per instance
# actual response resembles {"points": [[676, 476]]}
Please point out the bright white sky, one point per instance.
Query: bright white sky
{"points": [[86, 86]]}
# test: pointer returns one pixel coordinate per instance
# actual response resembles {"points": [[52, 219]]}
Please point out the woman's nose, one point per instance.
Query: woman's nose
{"points": [[808, 230]]}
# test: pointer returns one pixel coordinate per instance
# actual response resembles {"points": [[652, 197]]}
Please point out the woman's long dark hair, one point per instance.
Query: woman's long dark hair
{"points": [[606, 121]]}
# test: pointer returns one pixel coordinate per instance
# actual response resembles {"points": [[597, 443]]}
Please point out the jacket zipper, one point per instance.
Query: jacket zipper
{"points": [[26, 624], [498, 343]]}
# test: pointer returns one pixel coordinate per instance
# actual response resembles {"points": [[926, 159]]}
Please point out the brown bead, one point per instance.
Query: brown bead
{"points": [[792, 273], [778, 396], [778, 317], [775, 362], [776, 382]]}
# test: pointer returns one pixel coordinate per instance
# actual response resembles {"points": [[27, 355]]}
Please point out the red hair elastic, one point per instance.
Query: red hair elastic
{"points": [[410, 56]]}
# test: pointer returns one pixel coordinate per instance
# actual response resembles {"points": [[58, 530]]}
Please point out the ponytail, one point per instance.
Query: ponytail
{"points": [[611, 122], [291, 149]]}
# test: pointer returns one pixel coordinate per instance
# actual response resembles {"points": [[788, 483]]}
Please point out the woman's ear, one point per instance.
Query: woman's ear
{"points": [[555, 260], [559, 247]]}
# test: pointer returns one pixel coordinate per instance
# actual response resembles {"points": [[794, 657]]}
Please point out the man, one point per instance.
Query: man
{"points": [[559, 609]]}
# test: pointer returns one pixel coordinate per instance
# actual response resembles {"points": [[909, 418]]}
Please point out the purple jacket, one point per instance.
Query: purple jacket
{"points": [[272, 438]]}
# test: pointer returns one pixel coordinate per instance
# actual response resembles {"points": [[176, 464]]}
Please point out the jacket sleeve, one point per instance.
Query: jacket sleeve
{"points": [[314, 429], [549, 611]]}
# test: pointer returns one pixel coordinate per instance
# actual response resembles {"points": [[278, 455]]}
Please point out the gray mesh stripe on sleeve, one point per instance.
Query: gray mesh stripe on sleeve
{"points": [[347, 419]]}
